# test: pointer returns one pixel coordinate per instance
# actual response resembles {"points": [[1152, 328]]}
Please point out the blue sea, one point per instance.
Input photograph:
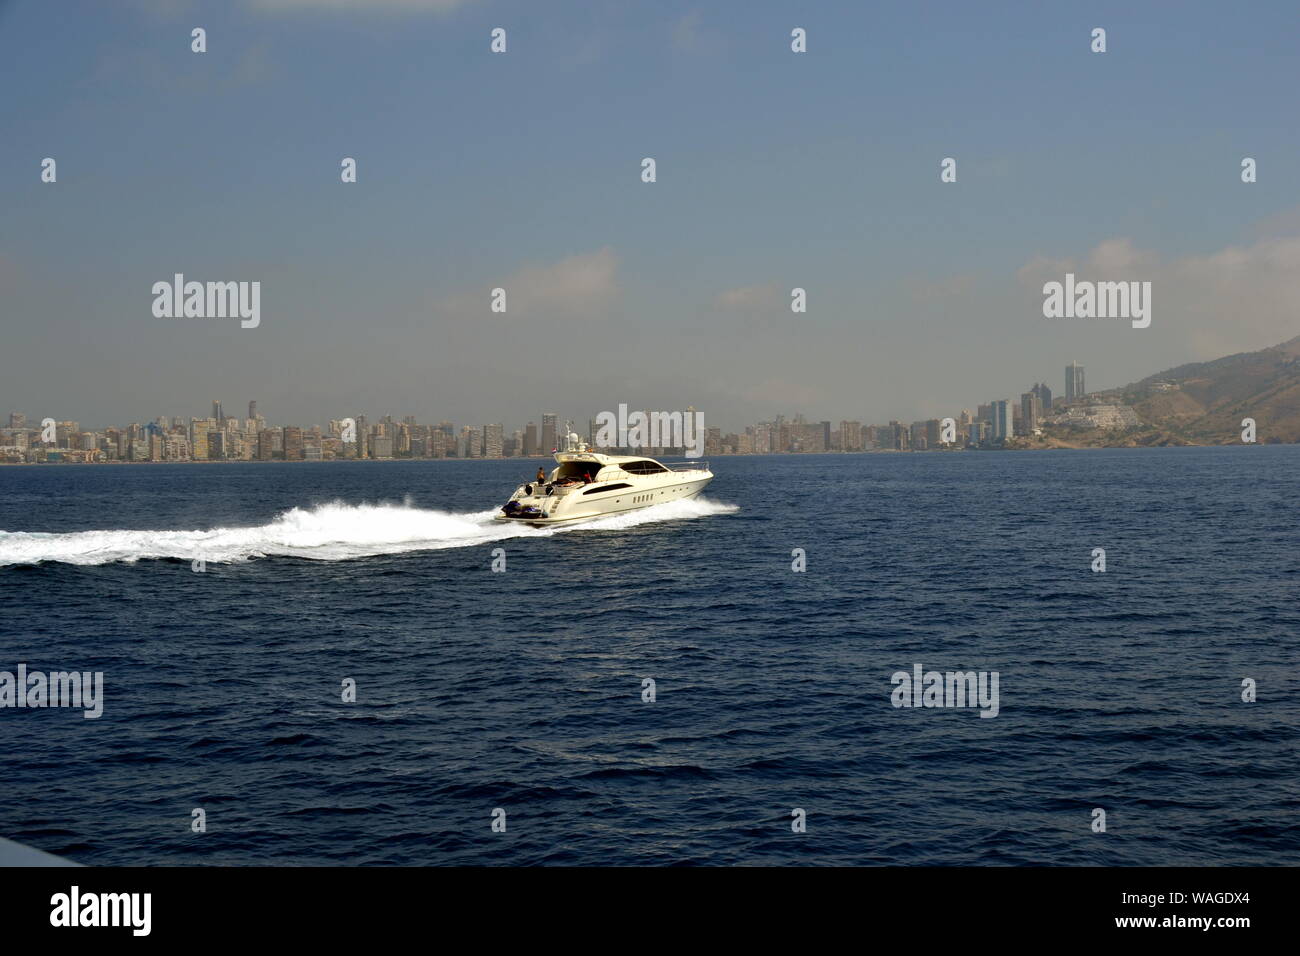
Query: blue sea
{"points": [[227, 604]]}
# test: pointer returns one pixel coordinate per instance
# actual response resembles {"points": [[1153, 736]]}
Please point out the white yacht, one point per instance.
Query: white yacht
{"points": [[586, 484]]}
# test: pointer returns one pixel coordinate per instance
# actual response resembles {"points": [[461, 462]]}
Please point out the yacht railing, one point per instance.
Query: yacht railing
{"points": [[694, 465]]}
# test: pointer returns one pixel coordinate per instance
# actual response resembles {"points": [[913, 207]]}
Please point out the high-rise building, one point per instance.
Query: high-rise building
{"points": [[1074, 389], [1003, 419], [850, 436], [530, 440], [493, 441], [550, 429], [217, 414], [199, 430], [807, 437], [177, 448], [292, 443], [17, 420], [1030, 412], [266, 444], [362, 436], [1044, 396], [252, 410], [471, 442]]}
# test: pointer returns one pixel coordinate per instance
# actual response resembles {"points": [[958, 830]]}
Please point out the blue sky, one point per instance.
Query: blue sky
{"points": [[521, 170]]}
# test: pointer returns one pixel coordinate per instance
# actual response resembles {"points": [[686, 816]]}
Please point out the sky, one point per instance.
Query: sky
{"points": [[522, 170]]}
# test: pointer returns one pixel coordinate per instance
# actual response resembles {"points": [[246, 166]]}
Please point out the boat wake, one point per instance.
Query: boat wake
{"points": [[328, 532]]}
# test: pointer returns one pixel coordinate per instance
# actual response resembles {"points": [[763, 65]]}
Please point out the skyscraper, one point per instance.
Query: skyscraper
{"points": [[292, 443], [363, 436], [1003, 419], [217, 414], [1030, 412], [471, 441], [850, 436], [530, 440], [252, 409], [1074, 389], [493, 440], [550, 425], [199, 430]]}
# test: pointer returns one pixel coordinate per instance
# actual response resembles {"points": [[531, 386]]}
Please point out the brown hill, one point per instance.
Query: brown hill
{"points": [[1208, 400]]}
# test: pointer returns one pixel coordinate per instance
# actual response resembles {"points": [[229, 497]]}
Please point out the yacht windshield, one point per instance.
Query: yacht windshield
{"points": [[578, 470]]}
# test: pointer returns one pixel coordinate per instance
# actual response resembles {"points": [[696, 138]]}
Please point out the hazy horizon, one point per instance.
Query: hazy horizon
{"points": [[522, 170], [239, 410]]}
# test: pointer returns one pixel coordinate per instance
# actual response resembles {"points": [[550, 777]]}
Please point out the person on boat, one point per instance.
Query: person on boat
{"points": [[586, 478], [541, 476]]}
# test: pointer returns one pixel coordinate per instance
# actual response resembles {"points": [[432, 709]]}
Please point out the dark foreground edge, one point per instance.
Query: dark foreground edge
{"points": [[947, 907]]}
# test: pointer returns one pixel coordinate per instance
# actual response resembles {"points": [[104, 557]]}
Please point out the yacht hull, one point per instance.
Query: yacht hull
{"points": [[618, 502]]}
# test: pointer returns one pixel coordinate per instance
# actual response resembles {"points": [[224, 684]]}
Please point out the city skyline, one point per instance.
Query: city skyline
{"points": [[1074, 387], [229, 437]]}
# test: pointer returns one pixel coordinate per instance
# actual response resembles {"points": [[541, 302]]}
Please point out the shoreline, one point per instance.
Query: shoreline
{"points": [[544, 458]]}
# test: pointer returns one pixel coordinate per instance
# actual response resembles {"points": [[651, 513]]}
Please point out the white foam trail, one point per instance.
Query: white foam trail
{"points": [[329, 532]]}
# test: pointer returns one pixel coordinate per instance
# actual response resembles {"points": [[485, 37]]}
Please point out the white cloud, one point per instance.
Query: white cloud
{"points": [[581, 286], [750, 298], [1237, 299]]}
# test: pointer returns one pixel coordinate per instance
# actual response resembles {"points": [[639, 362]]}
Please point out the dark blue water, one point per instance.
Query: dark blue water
{"points": [[522, 690]]}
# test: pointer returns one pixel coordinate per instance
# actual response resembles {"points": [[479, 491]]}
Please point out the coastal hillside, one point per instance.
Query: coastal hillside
{"points": [[1204, 403]]}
